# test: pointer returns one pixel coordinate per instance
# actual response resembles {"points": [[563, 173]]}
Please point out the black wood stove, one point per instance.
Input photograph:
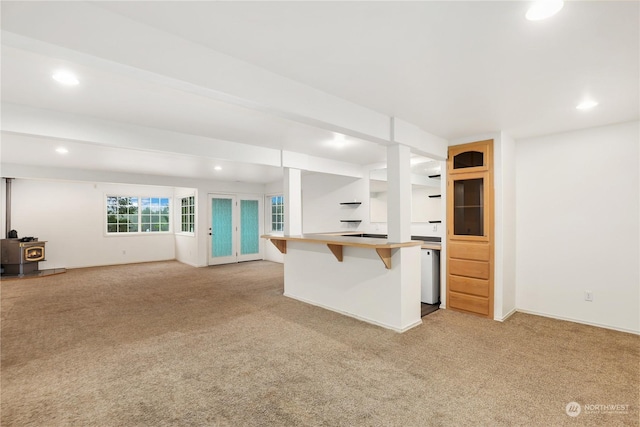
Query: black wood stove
{"points": [[21, 256]]}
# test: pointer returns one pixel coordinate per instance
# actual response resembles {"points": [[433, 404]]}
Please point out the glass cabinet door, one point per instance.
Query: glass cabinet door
{"points": [[468, 207]]}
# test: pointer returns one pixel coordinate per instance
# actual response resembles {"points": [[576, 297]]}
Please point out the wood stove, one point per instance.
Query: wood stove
{"points": [[21, 256]]}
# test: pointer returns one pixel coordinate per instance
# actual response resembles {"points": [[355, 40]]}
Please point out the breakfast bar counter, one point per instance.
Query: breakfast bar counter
{"points": [[344, 274], [336, 243]]}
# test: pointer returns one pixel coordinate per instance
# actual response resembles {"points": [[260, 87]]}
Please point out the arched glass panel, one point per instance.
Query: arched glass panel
{"points": [[468, 159]]}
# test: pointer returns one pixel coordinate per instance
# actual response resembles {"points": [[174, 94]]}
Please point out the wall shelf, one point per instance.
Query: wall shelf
{"points": [[353, 204]]}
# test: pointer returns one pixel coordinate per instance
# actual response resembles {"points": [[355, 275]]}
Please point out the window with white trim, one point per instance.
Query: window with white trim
{"points": [[188, 214], [277, 212], [133, 214]]}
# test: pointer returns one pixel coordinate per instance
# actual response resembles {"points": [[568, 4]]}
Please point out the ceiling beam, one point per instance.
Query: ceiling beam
{"points": [[157, 56], [419, 141], [23, 120], [318, 164], [197, 70]]}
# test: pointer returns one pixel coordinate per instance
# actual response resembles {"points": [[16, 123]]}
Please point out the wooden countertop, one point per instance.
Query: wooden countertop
{"points": [[336, 243], [363, 242], [425, 244], [436, 246]]}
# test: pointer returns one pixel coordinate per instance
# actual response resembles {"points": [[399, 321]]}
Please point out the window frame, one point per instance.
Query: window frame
{"points": [[139, 199], [180, 215], [269, 212]]}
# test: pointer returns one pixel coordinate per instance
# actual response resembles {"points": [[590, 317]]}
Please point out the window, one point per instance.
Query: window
{"points": [[188, 215], [155, 214], [122, 215], [137, 214], [277, 213]]}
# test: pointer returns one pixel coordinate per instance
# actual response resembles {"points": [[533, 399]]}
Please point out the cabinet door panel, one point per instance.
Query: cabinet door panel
{"points": [[475, 269], [470, 251], [468, 285], [469, 303]]}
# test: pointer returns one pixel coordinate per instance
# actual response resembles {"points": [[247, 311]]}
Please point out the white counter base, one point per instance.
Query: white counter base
{"points": [[344, 313], [360, 286]]}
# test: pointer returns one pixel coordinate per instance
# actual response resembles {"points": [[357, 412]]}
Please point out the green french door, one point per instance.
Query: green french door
{"points": [[235, 227]]}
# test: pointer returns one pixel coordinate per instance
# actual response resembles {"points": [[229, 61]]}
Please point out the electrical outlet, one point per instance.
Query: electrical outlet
{"points": [[588, 296]]}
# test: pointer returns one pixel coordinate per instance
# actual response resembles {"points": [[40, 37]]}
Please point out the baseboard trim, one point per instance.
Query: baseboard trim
{"points": [[118, 264], [355, 316], [584, 322], [506, 316], [192, 264]]}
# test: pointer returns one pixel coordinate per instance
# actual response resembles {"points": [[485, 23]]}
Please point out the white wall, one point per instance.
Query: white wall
{"points": [[322, 212], [70, 216], [504, 177], [423, 207], [321, 197], [192, 250], [577, 226]]}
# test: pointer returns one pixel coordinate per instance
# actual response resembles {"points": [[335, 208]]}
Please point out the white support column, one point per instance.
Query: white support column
{"points": [[292, 202], [399, 198]]}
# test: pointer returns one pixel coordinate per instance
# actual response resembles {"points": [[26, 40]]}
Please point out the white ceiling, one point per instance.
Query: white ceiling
{"points": [[454, 69]]}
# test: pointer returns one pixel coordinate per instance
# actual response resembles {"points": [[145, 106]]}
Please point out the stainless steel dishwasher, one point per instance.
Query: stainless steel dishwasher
{"points": [[430, 276]]}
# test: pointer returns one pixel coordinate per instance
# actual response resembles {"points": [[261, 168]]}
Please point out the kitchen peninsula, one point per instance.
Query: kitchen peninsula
{"points": [[371, 279]]}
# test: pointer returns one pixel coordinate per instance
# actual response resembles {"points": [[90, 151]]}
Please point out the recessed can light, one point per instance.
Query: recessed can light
{"points": [[543, 9], [585, 105], [65, 77], [338, 142], [61, 150], [218, 168]]}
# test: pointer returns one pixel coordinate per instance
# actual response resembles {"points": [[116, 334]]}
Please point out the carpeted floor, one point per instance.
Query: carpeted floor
{"points": [[163, 344]]}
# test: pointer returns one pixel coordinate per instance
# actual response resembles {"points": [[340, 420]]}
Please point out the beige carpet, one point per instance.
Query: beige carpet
{"points": [[166, 344]]}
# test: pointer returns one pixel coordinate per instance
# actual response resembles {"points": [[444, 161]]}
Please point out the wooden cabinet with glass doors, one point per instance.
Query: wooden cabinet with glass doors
{"points": [[470, 228]]}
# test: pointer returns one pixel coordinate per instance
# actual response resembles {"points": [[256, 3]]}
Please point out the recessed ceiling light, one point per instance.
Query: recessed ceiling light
{"points": [[65, 77], [543, 9], [218, 168], [585, 105], [338, 141], [61, 150]]}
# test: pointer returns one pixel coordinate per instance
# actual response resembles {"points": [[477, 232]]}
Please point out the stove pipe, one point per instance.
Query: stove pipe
{"points": [[8, 206]]}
